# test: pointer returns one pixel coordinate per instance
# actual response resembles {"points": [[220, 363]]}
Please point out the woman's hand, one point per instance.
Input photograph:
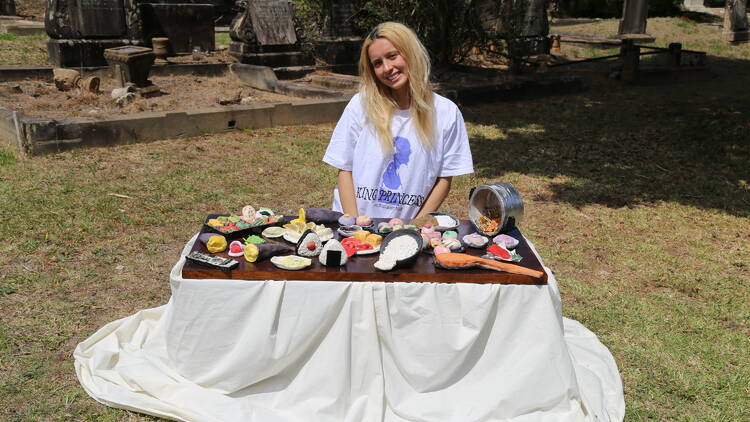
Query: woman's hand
{"points": [[346, 193], [435, 198]]}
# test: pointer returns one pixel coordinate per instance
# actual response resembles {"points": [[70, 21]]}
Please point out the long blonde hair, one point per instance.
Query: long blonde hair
{"points": [[379, 101]]}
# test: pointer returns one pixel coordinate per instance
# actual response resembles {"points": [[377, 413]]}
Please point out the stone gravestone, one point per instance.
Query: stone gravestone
{"points": [[735, 22], [522, 22], [187, 24], [341, 41], [80, 30], [488, 14], [7, 8], [264, 33], [633, 22]]}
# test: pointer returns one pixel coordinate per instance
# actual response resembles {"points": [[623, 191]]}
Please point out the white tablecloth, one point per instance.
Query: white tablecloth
{"points": [[275, 351]]}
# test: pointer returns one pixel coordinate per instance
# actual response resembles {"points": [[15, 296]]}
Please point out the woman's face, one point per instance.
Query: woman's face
{"points": [[389, 65]]}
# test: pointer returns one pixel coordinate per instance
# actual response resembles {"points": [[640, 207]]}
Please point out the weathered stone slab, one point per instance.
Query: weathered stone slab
{"points": [[80, 53], [634, 15], [735, 22], [272, 22], [265, 34], [85, 19], [186, 25], [338, 19]]}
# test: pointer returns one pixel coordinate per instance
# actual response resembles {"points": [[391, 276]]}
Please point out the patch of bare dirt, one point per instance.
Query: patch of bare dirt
{"points": [[31, 9], [41, 99]]}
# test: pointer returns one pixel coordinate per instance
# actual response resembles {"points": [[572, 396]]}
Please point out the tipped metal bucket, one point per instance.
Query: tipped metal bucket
{"points": [[497, 202]]}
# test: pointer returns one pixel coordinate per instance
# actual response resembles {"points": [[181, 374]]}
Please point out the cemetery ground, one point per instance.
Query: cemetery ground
{"points": [[637, 196]]}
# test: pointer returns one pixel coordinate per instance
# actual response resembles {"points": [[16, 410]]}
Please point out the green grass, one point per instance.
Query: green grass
{"points": [[637, 196], [688, 30], [23, 49], [222, 39]]}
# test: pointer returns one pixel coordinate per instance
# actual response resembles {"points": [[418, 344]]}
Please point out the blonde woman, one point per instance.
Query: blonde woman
{"points": [[397, 144]]}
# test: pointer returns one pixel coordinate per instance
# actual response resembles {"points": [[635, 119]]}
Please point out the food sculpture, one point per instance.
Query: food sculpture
{"points": [[333, 254], [260, 252], [248, 217], [455, 261], [309, 244], [359, 235], [291, 262], [475, 240], [400, 248]]}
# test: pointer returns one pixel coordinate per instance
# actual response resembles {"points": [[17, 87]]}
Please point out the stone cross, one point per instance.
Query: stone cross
{"points": [[7, 8], [735, 22], [634, 15]]}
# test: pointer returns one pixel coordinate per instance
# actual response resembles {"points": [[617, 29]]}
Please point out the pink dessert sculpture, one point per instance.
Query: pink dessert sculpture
{"points": [[396, 222], [441, 249], [504, 240]]}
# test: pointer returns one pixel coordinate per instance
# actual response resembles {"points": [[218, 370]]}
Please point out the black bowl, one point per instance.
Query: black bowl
{"points": [[403, 232]]}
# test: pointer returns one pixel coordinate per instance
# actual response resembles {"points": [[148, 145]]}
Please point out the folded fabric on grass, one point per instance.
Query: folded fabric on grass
{"points": [[287, 351]]}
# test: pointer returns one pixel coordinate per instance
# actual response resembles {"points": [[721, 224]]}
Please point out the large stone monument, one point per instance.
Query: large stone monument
{"points": [[7, 8], [735, 22], [633, 22], [80, 30], [523, 23], [265, 33], [341, 40], [187, 23]]}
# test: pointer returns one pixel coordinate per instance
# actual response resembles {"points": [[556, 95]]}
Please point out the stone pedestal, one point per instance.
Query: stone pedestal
{"points": [[130, 64], [265, 34], [7, 8], [735, 22]]}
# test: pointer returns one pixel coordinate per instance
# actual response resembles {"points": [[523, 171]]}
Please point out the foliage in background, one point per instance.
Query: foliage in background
{"points": [[448, 28]]}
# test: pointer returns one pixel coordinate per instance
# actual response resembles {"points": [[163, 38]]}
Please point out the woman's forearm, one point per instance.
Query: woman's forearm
{"points": [[437, 195], [346, 193]]}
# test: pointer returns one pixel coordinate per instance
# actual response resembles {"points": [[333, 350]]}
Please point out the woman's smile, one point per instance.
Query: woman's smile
{"points": [[389, 65]]}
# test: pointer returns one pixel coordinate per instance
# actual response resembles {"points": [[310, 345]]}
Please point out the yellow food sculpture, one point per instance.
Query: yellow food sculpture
{"points": [[216, 244], [301, 218], [374, 239], [251, 252], [361, 235]]}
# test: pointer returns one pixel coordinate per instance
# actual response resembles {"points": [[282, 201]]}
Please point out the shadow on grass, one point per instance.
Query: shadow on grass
{"points": [[624, 145]]}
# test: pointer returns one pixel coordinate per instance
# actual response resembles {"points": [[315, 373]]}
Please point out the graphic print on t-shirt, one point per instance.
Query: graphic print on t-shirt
{"points": [[391, 179]]}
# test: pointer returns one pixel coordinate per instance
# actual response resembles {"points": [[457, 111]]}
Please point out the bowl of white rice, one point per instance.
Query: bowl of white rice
{"points": [[402, 247]]}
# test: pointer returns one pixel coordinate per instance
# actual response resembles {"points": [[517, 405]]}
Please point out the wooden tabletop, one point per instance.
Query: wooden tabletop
{"points": [[360, 267]]}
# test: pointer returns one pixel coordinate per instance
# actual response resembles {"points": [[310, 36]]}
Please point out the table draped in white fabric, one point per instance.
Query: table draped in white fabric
{"points": [[287, 351]]}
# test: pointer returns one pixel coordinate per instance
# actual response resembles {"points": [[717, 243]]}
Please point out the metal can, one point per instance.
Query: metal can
{"points": [[495, 208]]}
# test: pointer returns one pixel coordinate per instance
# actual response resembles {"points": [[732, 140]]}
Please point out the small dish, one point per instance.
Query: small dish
{"points": [[273, 232], [368, 251], [348, 231], [445, 221]]}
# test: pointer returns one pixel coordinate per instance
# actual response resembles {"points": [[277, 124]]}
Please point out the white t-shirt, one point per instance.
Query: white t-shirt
{"points": [[396, 185]]}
